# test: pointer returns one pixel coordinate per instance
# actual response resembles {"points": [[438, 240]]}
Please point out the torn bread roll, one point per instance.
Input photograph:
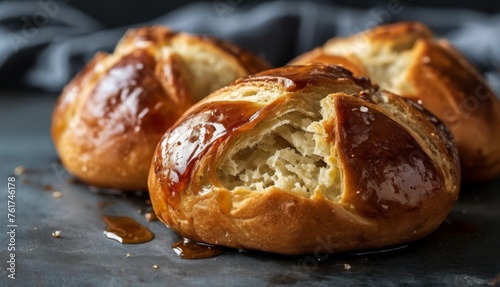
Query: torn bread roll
{"points": [[304, 159], [110, 117], [406, 59]]}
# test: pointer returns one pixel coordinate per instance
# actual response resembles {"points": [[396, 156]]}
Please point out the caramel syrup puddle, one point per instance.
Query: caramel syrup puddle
{"points": [[188, 249], [126, 230]]}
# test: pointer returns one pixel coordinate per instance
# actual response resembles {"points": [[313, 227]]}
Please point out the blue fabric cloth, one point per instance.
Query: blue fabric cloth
{"points": [[44, 46]]}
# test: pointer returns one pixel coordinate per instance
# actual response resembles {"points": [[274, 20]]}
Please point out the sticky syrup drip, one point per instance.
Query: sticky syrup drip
{"points": [[126, 230], [188, 249]]}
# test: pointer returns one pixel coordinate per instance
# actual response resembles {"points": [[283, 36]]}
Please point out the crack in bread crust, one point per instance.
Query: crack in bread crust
{"points": [[289, 152]]}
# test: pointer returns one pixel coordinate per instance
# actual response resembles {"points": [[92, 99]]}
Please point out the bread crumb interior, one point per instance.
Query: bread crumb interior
{"points": [[289, 152]]}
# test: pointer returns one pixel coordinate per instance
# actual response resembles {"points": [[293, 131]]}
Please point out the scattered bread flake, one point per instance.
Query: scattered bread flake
{"points": [[150, 216], [57, 194], [419, 102], [363, 109], [128, 255], [56, 234], [156, 266], [347, 266], [19, 170]]}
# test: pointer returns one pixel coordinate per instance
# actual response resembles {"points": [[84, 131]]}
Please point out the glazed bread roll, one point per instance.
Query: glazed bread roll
{"points": [[110, 117], [407, 60], [304, 159]]}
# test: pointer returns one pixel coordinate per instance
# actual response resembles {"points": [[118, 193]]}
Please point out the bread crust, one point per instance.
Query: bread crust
{"points": [[109, 118], [433, 73], [388, 169]]}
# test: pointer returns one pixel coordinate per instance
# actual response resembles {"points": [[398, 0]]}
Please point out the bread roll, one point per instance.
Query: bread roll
{"points": [[304, 159], [406, 59], [110, 117]]}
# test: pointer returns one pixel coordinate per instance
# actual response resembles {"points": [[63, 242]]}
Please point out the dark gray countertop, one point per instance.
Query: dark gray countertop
{"points": [[464, 251]]}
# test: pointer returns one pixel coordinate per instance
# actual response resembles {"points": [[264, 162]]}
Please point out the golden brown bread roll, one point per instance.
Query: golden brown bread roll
{"points": [[304, 159], [110, 117], [405, 59]]}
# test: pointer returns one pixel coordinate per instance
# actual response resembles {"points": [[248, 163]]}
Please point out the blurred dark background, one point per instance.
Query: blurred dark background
{"points": [[115, 13], [43, 43]]}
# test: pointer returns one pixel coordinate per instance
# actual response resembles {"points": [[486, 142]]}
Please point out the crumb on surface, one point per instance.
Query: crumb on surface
{"points": [[56, 234], [156, 266], [19, 170], [57, 194], [150, 216], [128, 255], [347, 266]]}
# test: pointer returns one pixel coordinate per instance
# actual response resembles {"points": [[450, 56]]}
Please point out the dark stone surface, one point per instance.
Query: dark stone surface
{"points": [[464, 251]]}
